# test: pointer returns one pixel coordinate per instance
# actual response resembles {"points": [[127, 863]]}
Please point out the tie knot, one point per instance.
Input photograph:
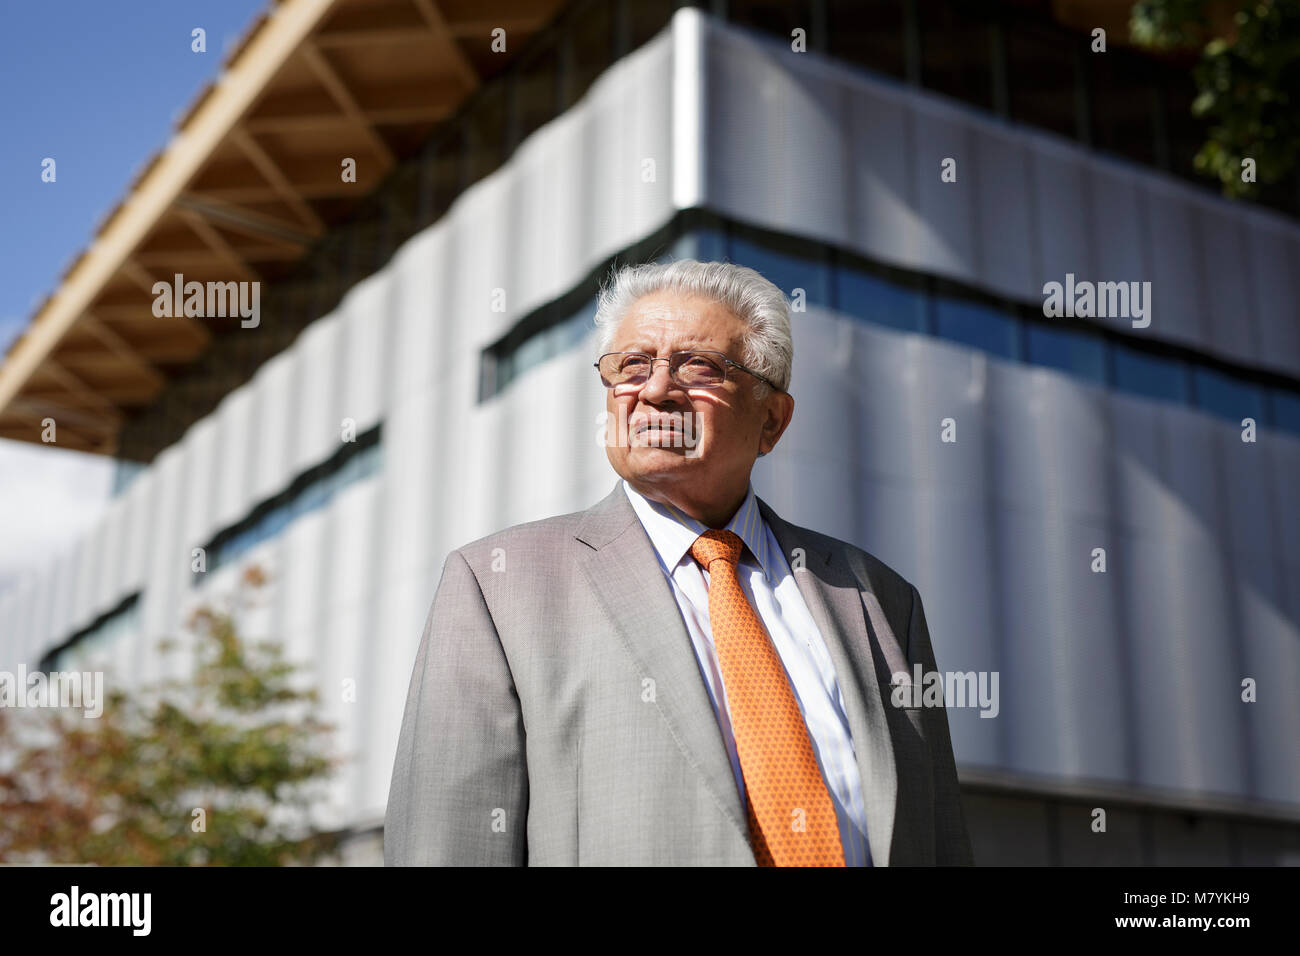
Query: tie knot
{"points": [[717, 543]]}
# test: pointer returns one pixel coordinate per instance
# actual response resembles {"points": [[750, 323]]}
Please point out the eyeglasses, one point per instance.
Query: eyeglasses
{"points": [[701, 369]]}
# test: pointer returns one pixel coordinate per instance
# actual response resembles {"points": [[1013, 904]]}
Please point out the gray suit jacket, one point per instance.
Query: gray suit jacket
{"points": [[557, 715]]}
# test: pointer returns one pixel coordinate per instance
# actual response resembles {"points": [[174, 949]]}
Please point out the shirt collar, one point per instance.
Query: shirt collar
{"points": [[672, 531]]}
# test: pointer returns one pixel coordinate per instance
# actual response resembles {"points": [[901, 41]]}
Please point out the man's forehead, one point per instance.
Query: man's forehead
{"points": [[684, 322]]}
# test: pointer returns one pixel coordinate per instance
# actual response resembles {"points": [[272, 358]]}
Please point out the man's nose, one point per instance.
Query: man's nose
{"points": [[660, 381]]}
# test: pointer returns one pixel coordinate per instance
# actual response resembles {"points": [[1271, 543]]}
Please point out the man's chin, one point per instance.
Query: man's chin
{"points": [[649, 460]]}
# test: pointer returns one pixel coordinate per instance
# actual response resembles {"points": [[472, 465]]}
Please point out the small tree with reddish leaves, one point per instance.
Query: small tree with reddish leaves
{"points": [[219, 768]]}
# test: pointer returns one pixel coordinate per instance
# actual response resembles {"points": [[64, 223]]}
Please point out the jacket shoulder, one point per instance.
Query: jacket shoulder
{"points": [[892, 589], [544, 534]]}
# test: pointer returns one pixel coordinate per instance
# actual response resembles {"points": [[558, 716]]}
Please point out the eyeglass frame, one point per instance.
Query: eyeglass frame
{"points": [[672, 375]]}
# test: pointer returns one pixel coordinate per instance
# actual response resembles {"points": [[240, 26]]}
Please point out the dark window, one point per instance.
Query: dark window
{"points": [[588, 47], [1041, 84], [1227, 396], [956, 51], [441, 175], [873, 38], [1154, 376], [537, 92], [897, 305], [980, 325], [777, 17], [788, 264], [1286, 410], [704, 244], [1070, 350], [486, 129], [646, 18], [1185, 133], [1121, 103]]}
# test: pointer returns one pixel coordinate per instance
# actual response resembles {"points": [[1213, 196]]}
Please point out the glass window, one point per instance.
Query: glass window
{"points": [[310, 498], [532, 351], [1154, 376], [537, 90], [440, 175], [486, 126], [1227, 395], [1121, 103], [877, 299], [776, 17], [1040, 77], [1186, 132], [1070, 350], [647, 17], [981, 326], [787, 264], [875, 41], [706, 245], [956, 51], [588, 47], [1286, 410], [574, 329]]}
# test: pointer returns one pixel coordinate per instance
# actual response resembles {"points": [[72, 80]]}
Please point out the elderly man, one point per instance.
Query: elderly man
{"points": [[675, 675]]}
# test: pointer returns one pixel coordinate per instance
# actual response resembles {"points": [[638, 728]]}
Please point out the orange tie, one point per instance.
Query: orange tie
{"points": [[791, 819]]}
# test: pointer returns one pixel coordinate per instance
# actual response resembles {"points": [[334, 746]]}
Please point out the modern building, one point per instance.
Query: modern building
{"points": [[1107, 533]]}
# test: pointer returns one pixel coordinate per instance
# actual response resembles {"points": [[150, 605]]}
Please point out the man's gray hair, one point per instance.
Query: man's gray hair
{"points": [[767, 347]]}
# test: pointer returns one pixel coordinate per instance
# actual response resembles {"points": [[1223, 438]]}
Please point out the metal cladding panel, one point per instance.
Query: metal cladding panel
{"points": [[1187, 719], [419, 276], [233, 465], [1178, 279], [999, 167], [1138, 435], [91, 559], [795, 113], [1062, 703], [1230, 313], [316, 401], [109, 586], [199, 515], [364, 333], [1193, 502], [780, 123], [1283, 504], [946, 210], [139, 528], [1057, 193], [876, 187], [168, 560], [10, 629], [1050, 442], [274, 387], [21, 612], [1248, 521], [61, 627], [1270, 660], [1119, 249], [1274, 258]]}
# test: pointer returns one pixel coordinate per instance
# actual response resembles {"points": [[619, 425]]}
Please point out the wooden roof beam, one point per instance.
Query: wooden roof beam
{"points": [[335, 86], [438, 26], [274, 175]]}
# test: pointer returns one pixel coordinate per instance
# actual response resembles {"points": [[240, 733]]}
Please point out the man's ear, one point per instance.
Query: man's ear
{"points": [[784, 413]]}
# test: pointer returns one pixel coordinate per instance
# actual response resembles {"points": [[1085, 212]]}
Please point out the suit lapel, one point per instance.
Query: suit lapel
{"points": [[833, 595], [623, 571]]}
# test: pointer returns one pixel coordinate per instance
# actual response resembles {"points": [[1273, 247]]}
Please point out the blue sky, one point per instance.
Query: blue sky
{"points": [[97, 86]]}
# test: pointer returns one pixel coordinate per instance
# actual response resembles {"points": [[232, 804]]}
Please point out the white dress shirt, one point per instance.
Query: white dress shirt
{"points": [[770, 588]]}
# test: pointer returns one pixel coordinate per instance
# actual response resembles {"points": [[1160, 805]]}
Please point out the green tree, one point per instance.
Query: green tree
{"points": [[219, 768], [1248, 80]]}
